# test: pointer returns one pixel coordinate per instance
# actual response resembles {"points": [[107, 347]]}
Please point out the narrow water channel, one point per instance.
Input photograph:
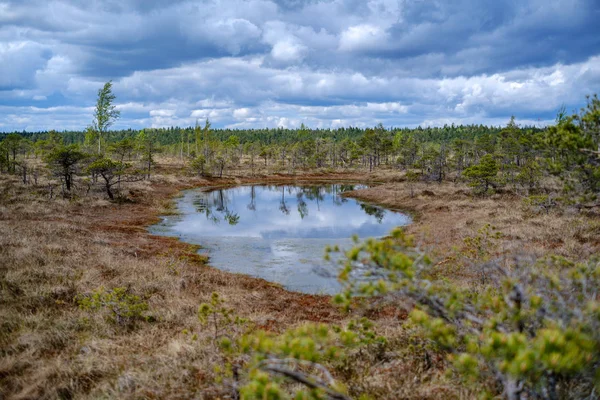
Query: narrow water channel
{"points": [[277, 233]]}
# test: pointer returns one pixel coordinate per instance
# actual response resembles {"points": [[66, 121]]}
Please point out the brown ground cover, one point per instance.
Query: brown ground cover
{"points": [[52, 250]]}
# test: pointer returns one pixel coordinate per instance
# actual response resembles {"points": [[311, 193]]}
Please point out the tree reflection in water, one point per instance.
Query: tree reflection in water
{"points": [[282, 206], [302, 206], [279, 232], [252, 205], [374, 211], [215, 204]]}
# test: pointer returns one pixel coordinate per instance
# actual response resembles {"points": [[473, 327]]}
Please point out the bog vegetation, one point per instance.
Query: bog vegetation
{"points": [[524, 325]]}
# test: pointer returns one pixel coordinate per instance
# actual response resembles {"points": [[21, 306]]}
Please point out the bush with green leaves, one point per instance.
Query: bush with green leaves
{"points": [[198, 165], [293, 364], [63, 162], [573, 152], [220, 319], [113, 173], [484, 175], [533, 332], [539, 203], [479, 250], [297, 363], [530, 175], [10, 147], [122, 308]]}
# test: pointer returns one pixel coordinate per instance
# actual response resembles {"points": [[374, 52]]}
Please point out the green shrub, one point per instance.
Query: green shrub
{"points": [[301, 356], [219, 319], [122, 308], [483, 176], [533, 332], [479, 250], [538, 203]]}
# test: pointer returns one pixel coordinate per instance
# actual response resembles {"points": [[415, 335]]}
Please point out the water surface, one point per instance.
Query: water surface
{"points": [[277, 233]]}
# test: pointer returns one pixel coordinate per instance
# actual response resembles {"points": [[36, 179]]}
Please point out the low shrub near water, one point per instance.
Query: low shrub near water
{"points": [[220, 319], [299, 363], [533, 332], [303, 356]]}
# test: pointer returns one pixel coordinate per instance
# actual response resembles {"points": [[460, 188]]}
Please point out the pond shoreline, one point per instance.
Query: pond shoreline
{"points": [[265, 237]]}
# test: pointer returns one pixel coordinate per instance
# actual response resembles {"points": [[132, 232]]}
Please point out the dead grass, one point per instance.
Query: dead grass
{"points": [[52, 250], [447, 213]]}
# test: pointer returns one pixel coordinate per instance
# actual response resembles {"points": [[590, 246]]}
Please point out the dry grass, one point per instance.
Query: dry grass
{"points": [[53, 250], [446, 213]]}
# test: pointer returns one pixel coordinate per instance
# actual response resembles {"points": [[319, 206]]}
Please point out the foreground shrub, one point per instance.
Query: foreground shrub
{"points": [[294, 364], [532, 333], [301, 356]]}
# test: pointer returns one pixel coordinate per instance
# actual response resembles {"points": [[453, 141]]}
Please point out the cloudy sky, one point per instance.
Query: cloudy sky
{"points": [[327, 63]]}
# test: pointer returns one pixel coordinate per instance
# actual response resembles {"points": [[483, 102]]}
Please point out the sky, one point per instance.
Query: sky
{"points": [[272, 63]]}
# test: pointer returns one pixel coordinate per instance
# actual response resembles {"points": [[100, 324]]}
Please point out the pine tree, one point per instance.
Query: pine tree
{"points": [[483, 175]]}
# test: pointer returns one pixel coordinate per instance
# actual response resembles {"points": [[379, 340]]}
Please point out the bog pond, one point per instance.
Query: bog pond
{"points": [[277, 233]]}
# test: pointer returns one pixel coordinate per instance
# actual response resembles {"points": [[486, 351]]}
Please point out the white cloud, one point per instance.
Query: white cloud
{"points": [[242, 113], [162, 113], [20, 60], [533, 95], [288, 51], [363, 37]]}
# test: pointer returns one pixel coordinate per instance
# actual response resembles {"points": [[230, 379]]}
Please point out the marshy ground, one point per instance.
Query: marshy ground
{"points": [[53, 250]]}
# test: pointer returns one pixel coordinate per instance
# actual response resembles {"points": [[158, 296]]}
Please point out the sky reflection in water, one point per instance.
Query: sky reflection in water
{"points": [[277, 233]]}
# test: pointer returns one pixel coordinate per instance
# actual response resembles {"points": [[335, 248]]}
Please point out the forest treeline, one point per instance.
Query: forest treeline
{"points": [[488, 158], [207, 148], [174, 136]]}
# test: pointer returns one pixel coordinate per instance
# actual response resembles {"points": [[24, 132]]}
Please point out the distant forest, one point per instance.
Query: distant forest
{"points": [[266, 136]]}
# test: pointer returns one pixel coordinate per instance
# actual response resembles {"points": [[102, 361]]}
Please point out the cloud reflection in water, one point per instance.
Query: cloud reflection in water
{"points": [[277, 232]]}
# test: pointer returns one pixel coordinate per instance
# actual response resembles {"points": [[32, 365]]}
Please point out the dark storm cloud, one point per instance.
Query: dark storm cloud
{"points": [[284, 62], [470, 37]]}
